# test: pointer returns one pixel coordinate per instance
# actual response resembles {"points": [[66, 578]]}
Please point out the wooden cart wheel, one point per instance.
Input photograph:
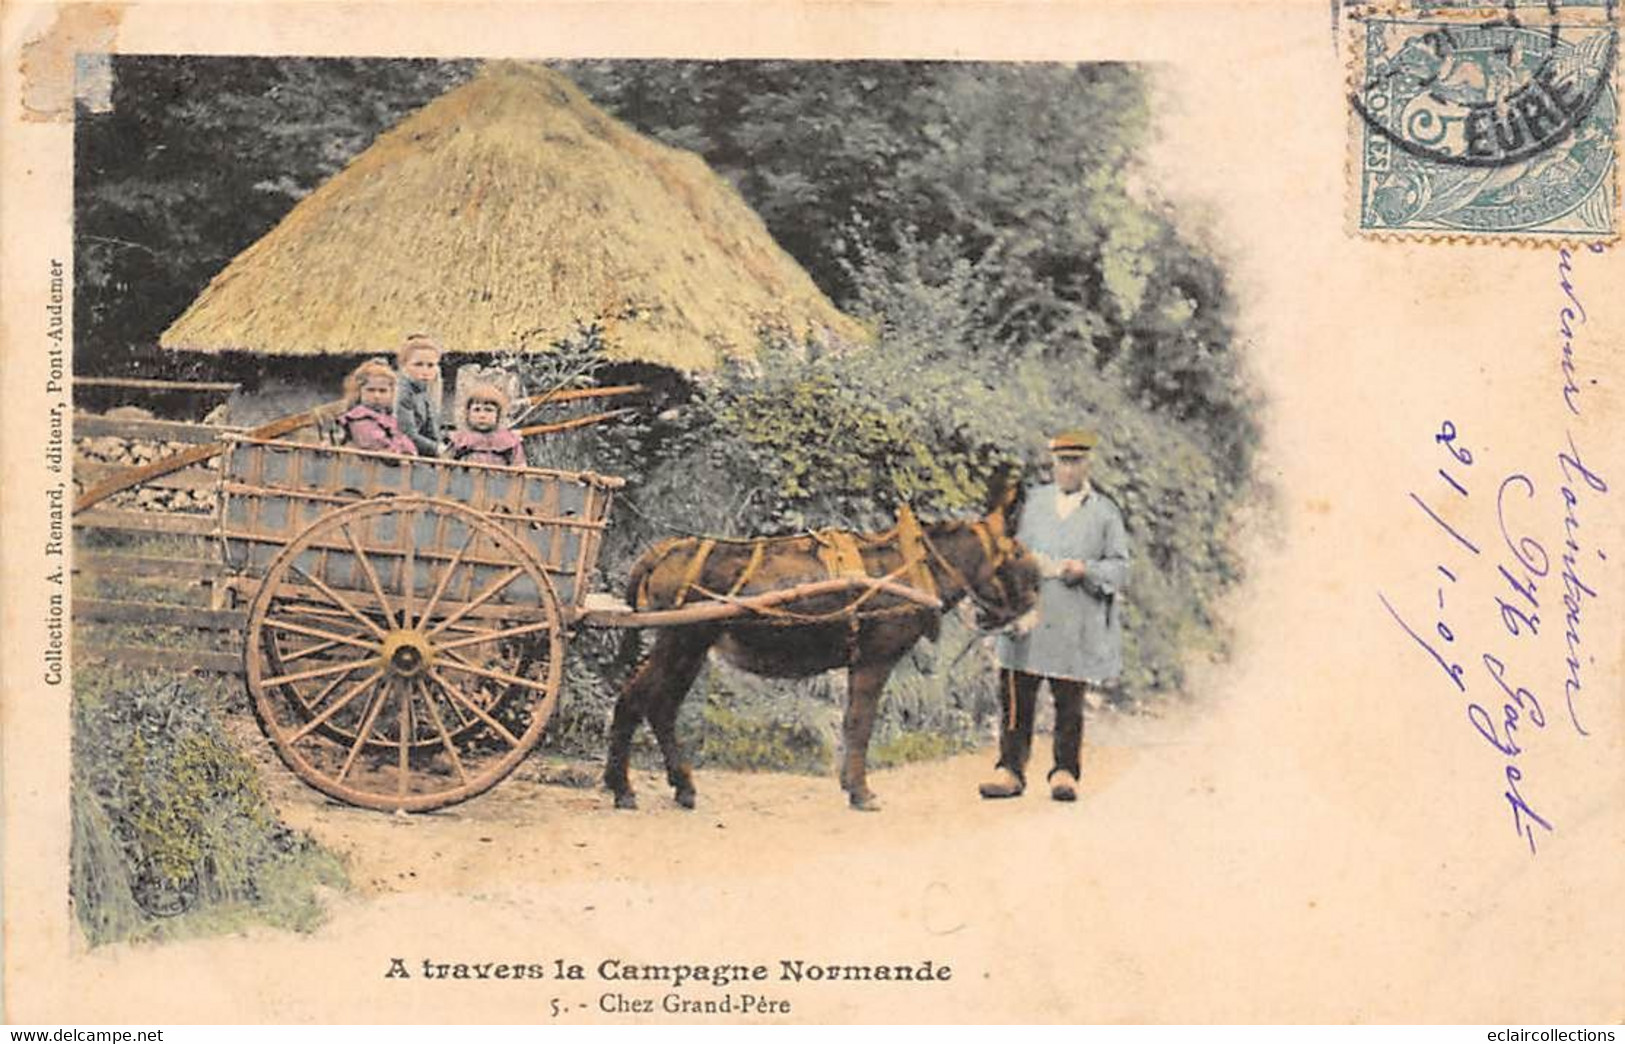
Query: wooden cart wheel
{"points": [[391, 664]]}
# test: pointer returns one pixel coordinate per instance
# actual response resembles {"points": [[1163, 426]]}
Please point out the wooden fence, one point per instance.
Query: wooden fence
{"points": [[176, 568]]}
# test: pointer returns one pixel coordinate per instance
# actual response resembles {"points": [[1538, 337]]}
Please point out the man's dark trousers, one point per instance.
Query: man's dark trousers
{"points": [[1020, 689]]}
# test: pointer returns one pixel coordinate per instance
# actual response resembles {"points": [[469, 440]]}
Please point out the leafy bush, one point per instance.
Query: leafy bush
{"points": [[169, 820], [592, 677], [806, 439], [941, 699], [811, 440], [737, 721]]}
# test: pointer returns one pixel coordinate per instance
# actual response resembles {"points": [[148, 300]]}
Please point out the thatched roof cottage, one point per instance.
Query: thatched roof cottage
{"points": [[506, 214]]}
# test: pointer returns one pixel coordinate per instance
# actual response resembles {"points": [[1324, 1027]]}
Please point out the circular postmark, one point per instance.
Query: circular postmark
{"points": [[1492, 125]]}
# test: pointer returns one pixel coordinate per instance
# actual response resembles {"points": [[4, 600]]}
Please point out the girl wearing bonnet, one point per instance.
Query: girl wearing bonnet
{"points": [[482, 435]]}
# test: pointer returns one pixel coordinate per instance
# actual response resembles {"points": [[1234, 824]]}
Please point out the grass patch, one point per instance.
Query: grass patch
{"points": [[907, 747], [172, 833], [736, 735]]}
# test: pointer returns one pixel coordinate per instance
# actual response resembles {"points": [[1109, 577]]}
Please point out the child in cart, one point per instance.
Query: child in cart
{"points": [[482, 435], [369, 422], [418, 395]]}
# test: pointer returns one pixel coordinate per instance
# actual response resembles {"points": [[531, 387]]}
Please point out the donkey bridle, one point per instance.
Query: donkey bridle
{"points": [[999, 551]]}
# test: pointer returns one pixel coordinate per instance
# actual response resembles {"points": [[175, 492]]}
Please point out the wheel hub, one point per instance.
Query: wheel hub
{"points": [[406, 653]]}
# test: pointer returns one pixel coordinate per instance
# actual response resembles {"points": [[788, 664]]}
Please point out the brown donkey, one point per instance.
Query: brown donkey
{"points": [[862, 629]]}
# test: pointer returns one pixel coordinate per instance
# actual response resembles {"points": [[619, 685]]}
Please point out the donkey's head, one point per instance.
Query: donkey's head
{"points": [[1003, 576]]}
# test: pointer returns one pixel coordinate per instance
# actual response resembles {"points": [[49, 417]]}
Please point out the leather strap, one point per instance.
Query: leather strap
{"points": [[691, 575]]}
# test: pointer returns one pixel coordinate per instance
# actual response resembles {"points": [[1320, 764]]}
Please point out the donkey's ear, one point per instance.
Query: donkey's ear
{"points": [[1003, 489]]}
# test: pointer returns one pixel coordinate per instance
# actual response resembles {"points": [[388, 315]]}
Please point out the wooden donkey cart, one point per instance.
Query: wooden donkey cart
{"points": [[409, 617]]}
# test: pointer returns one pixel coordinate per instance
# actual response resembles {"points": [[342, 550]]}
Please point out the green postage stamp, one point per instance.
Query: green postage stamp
{"points": [[1495, 123]]}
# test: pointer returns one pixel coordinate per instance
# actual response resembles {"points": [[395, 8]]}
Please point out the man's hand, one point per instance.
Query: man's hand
{"points": [[1022, 625], [1073, 572]]}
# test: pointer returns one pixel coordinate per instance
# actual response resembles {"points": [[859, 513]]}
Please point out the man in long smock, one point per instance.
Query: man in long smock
{"points": [[1074, 636]]}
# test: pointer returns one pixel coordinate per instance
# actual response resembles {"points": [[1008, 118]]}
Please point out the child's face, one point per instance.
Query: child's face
{"points": [[482, 415], [378, 393], [423, 366]]}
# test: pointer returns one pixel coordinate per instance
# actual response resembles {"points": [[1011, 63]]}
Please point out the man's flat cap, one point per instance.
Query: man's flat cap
{"points": [[1076, 442]]}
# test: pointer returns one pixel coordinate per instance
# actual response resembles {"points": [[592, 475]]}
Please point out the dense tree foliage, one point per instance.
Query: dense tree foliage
{"points": [[1026, 176], [198, 157]]}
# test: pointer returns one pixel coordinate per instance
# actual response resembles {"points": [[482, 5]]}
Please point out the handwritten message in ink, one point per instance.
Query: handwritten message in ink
{"points": [[1521, 530]]}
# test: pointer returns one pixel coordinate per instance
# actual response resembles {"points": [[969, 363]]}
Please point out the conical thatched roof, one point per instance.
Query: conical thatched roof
{"points": [[503, 214]]}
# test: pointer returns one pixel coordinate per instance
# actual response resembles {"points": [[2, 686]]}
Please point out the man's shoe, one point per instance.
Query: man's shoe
{"points": [[1063, 786], [1004, 784]]}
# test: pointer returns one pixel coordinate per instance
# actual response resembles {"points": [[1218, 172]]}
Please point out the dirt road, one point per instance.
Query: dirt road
{"points": [[1178, 888], [525, 830]]}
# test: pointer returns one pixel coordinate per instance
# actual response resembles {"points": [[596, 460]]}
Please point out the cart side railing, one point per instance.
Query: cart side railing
{"points": [[273, 491]]}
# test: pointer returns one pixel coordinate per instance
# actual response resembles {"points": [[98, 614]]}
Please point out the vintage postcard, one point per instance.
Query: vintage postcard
{"points": [[812, 512]]}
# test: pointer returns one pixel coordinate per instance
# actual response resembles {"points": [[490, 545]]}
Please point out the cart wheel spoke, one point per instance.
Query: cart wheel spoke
{"points": [[440, 727], [311, 704], [372, 574], [308, 651], [445, 575], [480, 637], [286, 647], [326, 636], [327, 617], [479, 712], [454, 662], [318, 672], [484, 596], [334, 619], [409, 569], [375, 707], [403, 764], [337, 599], [343, 701]]}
